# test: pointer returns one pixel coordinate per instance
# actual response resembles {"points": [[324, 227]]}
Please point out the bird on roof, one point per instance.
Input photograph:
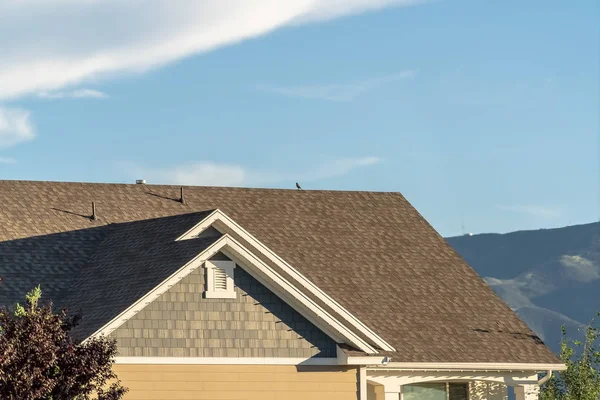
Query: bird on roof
{"points": [[298, 186]]}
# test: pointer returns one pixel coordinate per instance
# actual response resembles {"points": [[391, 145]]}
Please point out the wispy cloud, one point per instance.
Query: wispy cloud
{"points": [[335, 168], [74, 94], [7, 160], [538, 211], [214, 174], [15, 126], [52, 44], [337, 92], [199, 173]]}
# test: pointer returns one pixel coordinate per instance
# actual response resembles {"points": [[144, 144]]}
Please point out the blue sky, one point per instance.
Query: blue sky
{"points": [[477, 111]]}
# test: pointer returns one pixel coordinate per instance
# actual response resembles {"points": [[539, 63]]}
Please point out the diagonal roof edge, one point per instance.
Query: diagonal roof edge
{"points": [[158, 290], [295, 297], [274, 281], [218, 216]]}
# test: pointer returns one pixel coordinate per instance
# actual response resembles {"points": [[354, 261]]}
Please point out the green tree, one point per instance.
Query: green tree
{"points": [[40, 361], [581, 379]]}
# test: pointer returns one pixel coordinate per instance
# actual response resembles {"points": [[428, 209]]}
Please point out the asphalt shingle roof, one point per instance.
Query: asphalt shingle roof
{"points": [[131, 261], [372, 252]]}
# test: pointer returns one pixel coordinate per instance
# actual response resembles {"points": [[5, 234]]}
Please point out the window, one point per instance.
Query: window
{"points": [[424, 391], [219, 280], [458, 391], [436, 391]]}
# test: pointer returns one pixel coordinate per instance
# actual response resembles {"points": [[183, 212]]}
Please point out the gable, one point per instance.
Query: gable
{"points": [[257, 323], [219, 221]]}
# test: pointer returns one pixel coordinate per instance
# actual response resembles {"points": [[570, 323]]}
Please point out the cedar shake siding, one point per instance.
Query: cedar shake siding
{"points": [[257, 323]]}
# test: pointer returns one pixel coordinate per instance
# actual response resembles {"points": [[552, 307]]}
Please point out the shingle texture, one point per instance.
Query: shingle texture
{"points": [[257, 323], [133, 259], [371, 252]]}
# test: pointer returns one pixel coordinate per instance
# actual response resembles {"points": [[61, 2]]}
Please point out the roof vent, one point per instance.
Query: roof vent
{"points": [[140, 182], [93, 217]]}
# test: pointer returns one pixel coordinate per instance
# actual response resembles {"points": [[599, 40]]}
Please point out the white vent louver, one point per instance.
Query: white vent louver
{"points": [[220, 279]]}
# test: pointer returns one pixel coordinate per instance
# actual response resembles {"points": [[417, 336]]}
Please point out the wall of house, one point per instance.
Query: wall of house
{"points": [[248, 382], [480, 390], [375, 391], [257, 323]]}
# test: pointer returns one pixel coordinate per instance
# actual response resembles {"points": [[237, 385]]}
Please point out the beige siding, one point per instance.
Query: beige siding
{"points": [[237, 382], [375, 391], [479, 390], [257, 323]]}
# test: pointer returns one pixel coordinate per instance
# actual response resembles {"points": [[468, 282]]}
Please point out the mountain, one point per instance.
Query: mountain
{"points": [[550, 277]]}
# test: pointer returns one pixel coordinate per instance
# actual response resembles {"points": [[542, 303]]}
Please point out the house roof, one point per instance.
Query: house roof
{"points": [[373, 253], [131, 260]]}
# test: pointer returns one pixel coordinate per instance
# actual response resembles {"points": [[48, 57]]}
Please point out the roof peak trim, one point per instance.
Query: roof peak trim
{"points": [[266, 275], [219, 217]]}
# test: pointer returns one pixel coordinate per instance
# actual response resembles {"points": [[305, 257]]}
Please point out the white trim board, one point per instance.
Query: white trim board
{"points": [[226, 360], [396, 379], [469, 366], [362, 383], [426, 367], [219, 218], [380, 363], [266, 275]]}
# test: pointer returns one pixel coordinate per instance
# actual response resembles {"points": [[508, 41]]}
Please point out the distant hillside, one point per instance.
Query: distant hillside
{"points": [[550, 277]]}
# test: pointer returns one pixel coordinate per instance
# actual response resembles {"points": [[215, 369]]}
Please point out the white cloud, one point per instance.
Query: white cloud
{"points": [[47, 45], [7, 160], [338, 167], [214, 174], [74, 94], [15, 126], [337, 92], [201, 173], [330, 9], [543, 212]]}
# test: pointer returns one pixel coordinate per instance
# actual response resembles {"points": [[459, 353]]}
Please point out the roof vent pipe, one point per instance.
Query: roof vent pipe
{"points": [[181, 199], [93, 217], [140, 182]]}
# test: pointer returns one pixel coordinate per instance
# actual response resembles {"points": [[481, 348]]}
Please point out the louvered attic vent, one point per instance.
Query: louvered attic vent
{"points": [[220, 277], [219, 280]]}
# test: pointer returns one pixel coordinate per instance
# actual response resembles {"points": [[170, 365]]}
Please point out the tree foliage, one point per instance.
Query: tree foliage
{"points": [[39, 360], [581, 380]]}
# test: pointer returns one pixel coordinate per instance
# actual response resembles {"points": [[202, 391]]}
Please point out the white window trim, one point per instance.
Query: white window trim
{"points": [[211, 292], [446, 386]]}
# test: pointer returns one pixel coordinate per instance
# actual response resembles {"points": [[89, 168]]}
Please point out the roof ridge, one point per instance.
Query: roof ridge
{"points": [[250, 188]]}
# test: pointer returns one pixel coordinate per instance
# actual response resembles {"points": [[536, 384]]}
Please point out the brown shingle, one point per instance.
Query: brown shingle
{"points": [[372, 252]]}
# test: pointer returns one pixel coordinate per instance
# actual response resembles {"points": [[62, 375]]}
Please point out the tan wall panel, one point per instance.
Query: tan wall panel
{"points": [[375, 391], [239, 377], [237, 382], [254, 386], [185, 395]]}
